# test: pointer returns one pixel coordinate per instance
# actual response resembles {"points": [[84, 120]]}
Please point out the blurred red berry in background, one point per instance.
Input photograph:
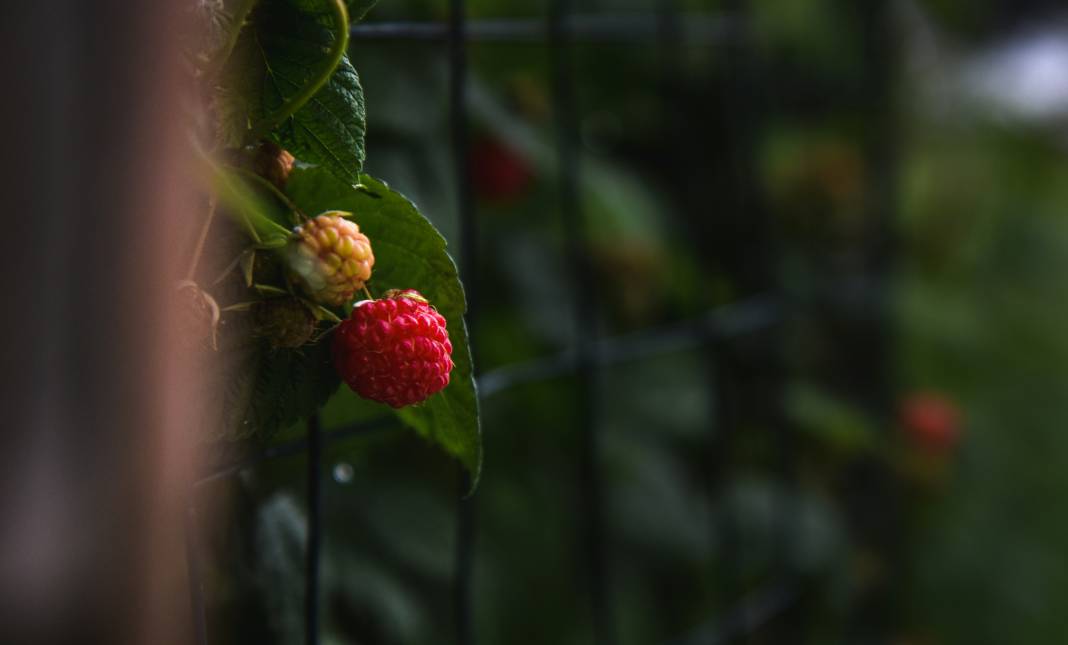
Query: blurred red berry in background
{"points": [[931, 420], [498, 172]]}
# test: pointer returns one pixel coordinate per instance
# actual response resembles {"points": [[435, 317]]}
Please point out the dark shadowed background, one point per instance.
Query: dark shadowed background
{"points": [[766, 304]]}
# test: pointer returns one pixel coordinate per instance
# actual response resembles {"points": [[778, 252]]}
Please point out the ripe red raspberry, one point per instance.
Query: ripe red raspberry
{"points": [[932, 421], [331, 258], [395, 350]]}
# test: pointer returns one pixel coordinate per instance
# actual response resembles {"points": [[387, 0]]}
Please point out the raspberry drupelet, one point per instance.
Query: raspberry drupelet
{"points": [[330, 258], [394, 350]]}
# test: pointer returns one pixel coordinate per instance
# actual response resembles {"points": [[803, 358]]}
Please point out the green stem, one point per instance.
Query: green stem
{"points": [[240, 198], [219, 180], [289, 107], [233, 194], [271, 188]]}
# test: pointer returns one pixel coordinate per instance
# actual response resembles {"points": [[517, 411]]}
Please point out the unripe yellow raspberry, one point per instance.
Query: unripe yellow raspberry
{"points": [[330, 258]]}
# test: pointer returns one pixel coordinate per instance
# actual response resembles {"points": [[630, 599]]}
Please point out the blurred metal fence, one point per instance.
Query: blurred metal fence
{"points": [[559, 31]]}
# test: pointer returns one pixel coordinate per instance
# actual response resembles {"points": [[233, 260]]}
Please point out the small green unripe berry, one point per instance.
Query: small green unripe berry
{"points": [[284, 322]]}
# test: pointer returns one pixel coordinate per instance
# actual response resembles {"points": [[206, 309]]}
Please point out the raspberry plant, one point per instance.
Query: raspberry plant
{"points": [[306, 234]]}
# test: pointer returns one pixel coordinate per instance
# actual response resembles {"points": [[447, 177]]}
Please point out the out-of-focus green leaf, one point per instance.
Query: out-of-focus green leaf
{"points": [[237, 199], [828, 419], [280, 540]]}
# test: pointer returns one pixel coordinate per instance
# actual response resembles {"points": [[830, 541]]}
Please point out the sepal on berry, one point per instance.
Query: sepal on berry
{"points": [[410, 294]]}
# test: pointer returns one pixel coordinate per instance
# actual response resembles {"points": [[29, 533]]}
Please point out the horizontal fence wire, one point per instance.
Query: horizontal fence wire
{"points": [[747, 316], [696, 28], [722, 323], [292, 448]]}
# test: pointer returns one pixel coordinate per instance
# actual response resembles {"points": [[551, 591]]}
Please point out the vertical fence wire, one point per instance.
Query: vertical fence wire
{"points": [[718, 376], [750, 86], [721, 423], [878, 532], [584, 306], [727, 366], [196, 580], [744, 103], [458, 122], [315, 527]]}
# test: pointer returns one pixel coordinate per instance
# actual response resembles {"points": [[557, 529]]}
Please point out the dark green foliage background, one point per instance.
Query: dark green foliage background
{"points": [[975, 310]]}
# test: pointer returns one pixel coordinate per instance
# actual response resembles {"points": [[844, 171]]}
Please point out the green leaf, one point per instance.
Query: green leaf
{"points": [[829, 419], [280, 54], [410, 254], [265, 389], [218, 25], [259, 218]]}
